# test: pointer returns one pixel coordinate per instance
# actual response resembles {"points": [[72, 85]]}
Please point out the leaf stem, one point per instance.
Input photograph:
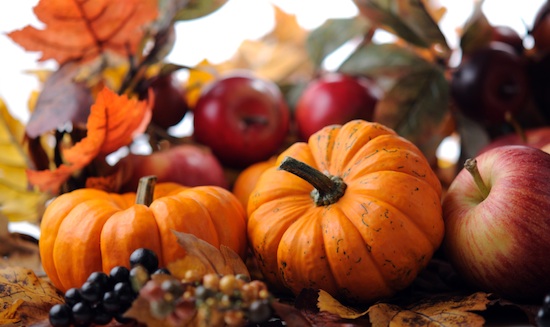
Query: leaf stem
{"points": [[471, 166], [328, 189], [145, 190]]}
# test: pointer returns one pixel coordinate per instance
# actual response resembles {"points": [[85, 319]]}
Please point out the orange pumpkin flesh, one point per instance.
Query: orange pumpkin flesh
{"points": [[362, 233], [90, 230]]}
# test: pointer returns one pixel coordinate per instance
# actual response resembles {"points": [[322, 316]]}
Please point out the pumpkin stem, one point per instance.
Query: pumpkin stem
{"points": [[471, 166], [328, 189], [145, 190]]}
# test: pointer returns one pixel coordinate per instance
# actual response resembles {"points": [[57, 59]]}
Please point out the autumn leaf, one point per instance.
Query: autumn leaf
{"points": [[18, 202], [204, 258], [26, 298], [451, 311], [279, 56], [199, 76], [113, 123], [410, 20], [80, 31], [61, 101]]}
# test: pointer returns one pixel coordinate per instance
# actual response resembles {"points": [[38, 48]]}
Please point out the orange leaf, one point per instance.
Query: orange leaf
{"points": [[77, 30], [113, 123]]}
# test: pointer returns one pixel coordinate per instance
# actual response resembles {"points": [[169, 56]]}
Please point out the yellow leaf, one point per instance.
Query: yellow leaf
{"points": [[32, 296], [17, 201], [287, 29], [199, 76], [451, 311], [327, 303], [10, 315]]}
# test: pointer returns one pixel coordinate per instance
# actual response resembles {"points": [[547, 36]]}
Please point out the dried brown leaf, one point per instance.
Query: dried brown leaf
{"points": [[447, 311], [327, 303], [32, 296]]}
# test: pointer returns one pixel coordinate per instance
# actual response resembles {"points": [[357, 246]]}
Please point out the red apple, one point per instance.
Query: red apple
{"points": [[242, 118], [536, 137], [186, 164], [170, 104], [497, 222], [335, 98]]}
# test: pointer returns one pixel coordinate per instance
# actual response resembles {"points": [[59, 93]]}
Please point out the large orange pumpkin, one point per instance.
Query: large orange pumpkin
{"points": [[89, 230], [360, 222]]}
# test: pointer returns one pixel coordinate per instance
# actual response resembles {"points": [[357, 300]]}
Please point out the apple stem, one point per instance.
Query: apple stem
{"points": [[471, 166], [328, 189], [145, 190]]}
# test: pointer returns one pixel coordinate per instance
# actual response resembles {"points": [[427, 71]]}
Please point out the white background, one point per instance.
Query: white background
{"points": [[217, 36]]}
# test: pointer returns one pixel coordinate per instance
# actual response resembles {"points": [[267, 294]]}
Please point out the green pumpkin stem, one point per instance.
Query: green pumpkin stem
{"points": [[328, 189], [145, 190]]}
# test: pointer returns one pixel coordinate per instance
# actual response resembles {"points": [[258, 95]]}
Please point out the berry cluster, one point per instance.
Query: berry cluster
{"points": [[106, 296], [543, 315], [210, 300]]}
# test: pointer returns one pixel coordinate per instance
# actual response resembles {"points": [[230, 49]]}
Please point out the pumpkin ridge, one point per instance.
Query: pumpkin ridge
{"points": [[336, 266], [375, 193], [399, 214]]}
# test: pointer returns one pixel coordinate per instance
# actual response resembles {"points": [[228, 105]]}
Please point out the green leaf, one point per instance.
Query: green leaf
{"points": [[378, 60], [477, 31], [198, 8], [415, 107], [408, 19], [334, 33]]}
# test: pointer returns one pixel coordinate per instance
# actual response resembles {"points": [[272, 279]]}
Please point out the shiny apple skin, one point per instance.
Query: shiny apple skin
{"points": [[335, 98], [536, 137], [501, 244], [243, 119]]}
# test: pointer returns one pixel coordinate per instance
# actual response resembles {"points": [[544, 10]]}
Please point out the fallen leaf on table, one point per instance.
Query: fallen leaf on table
{"points": [[82, 31], [26, 299], [445, 311], [114, 121]]}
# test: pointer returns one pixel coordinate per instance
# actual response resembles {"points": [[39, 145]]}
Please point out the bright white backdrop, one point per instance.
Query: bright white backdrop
{"points": [[217, 36]]}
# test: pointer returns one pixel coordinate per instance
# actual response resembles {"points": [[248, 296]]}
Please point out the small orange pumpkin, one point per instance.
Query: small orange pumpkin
{"points": [[247, 179], [89, 230], [357, 213]]}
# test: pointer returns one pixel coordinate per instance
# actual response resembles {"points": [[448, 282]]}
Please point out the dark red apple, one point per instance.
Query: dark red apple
{"points": [[185, 164], [541, 28], [170, 104], [535, 137], [335, 98], [490, 83], [506, 34], [244, 119]]}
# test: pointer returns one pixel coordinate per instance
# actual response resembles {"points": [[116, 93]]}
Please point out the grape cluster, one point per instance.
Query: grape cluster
{"points": [[210, 300], [106, 296], [543, 315]]}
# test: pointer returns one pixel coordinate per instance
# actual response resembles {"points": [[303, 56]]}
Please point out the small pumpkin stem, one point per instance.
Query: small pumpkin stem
{"points": [[471, 167], [328, 189], [145, 190]]}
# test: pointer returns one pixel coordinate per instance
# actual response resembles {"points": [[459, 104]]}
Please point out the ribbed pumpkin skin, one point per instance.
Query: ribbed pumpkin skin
{"points": [[90, 230], [369, 244], [247, 179]]}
